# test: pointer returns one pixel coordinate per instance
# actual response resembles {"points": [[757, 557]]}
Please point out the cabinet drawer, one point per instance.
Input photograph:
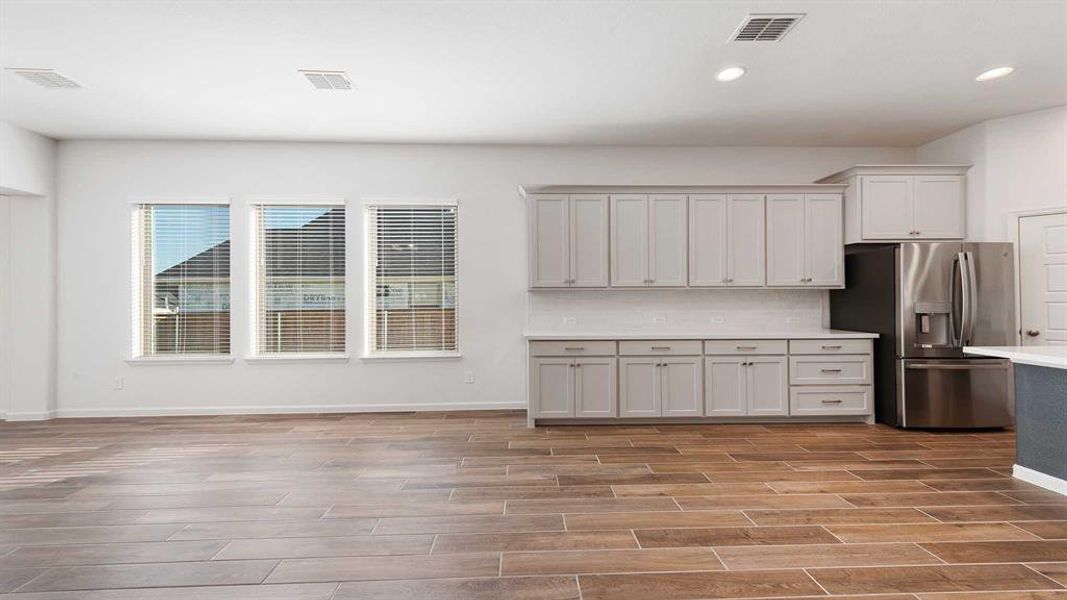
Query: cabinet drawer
{"points": [[573, 348], [831, 400], [824, 370], [829, 346], [745, 347], [659, 347]]}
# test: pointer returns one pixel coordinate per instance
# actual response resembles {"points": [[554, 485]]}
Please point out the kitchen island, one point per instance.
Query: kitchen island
{"points": [[1040, 412]]}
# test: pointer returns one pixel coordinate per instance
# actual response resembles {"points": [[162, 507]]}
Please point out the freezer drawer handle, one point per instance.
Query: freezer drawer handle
{"points": [[958, 367]]}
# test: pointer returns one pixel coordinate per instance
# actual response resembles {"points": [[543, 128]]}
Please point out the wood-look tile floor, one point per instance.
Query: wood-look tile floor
{"points": [[474, 506]]}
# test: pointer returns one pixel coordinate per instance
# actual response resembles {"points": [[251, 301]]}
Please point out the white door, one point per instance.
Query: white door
{"points": [[549, 241], [589, 241], [785, 240], [888, 207], [1043, 279], [708, 240], [638, 387], [552, 386], [939, 203], [682, 386], [824, 248], [746, 231], [594, 387], [629, 240], [668, 249], [768, 386], [725, 386]]}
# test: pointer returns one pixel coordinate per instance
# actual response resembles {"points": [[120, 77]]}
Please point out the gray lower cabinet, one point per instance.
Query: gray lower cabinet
{"points": [[573, 387], [652, 386], [738, 386]]}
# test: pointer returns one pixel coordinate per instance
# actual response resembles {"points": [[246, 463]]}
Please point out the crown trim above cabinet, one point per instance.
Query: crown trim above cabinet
{"points": [[640, 237]]}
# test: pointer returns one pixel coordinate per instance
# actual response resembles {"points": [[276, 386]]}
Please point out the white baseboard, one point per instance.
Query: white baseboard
{"points": [[1040, 479], [29, 416], [282, 409]]}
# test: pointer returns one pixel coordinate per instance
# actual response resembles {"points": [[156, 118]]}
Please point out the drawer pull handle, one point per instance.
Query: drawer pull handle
{"points": [[831, 347], [830, 370], [661, 347], [746, 347], [574, 348], [831, 402]]}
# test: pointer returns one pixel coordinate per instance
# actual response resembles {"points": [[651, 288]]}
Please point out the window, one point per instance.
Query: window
{"points": [[181, 279], [411, 269], [299, 279]]}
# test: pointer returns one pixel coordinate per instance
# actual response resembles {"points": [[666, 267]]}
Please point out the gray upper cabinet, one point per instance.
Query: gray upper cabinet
{"points": [[903, 202], [726, 240], [804, 240], [569, 240], [648, 240]]}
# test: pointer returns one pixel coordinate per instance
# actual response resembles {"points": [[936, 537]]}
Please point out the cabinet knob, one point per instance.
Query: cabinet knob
{"points": [[1033, 332]]}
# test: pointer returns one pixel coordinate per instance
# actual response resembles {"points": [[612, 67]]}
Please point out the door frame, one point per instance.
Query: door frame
{"points": [[5, 305], [1014, 218]]}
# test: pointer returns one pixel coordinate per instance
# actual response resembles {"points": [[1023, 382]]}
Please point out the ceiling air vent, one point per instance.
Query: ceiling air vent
{"points": [[47, 78], [328, 80], [766, 27]]}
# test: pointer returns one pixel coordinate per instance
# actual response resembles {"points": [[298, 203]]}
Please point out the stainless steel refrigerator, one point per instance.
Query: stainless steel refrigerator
{"points": [[928, 300]]}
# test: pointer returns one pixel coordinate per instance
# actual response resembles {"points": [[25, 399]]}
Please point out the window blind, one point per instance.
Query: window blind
{"points": [[300, 279], [183, 279], [411, 256]]}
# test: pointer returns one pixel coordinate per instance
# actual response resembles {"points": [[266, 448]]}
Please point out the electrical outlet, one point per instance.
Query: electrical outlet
{"points": [[468, 377], [118, 383], [792, 320], [570, 321]]}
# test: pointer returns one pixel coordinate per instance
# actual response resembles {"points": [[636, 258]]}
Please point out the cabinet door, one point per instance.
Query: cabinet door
{"points": [[725, 386], [746, 231], [768, 386], [549, 241], [939, 201], [668, 248], [552, 386], [629, 240], [785, 240], [638, 387], [887, 207], [682, 386], [824, 247], [594, 387], [708, 240], [589, 241]]}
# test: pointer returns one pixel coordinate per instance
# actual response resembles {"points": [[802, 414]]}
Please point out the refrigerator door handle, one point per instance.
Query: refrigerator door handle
{"points": [[956, 299], [970, 300]]}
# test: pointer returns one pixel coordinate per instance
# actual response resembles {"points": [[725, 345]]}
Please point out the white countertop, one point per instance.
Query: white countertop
{"points": [[1039, 356], [815, 334]]}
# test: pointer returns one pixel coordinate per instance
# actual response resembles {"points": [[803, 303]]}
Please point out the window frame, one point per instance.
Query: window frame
{"points": [[369, 288], [254, 355], [137, 281]]}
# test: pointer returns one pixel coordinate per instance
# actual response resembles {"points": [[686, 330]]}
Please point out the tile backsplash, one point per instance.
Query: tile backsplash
{"points": [[607, 311]]}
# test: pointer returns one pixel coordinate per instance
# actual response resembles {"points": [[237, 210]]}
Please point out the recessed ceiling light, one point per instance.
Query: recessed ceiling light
{"points": [[47, 78], [328, 80], [730, 73], [995, 73]]}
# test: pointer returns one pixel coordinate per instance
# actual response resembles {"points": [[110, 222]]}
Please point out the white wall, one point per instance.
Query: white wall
{"points": [[27, 306], [98, 179], [1020, 163]]}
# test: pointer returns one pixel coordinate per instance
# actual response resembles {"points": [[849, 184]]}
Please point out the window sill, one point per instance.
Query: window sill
{"points": [[406, 356], [180, 360], [297, 358]]}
